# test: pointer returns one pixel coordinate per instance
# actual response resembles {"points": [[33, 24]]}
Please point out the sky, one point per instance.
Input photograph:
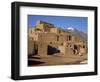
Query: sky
{"points": [[79, 23]]}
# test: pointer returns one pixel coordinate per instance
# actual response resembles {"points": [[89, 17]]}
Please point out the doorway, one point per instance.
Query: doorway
{"points": [[52, 50]]}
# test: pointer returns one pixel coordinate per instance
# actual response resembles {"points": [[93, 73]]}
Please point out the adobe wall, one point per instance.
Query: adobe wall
{"points": [[30, 47], [52, 36], [47, 37], [42, 49]]}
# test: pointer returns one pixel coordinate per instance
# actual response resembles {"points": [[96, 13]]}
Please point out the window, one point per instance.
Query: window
{"points": [[61, 43], [70, 38], [83, 46], [57, 38], [50, 42]]}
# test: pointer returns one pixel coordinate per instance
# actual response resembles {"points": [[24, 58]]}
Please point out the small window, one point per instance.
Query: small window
{"points": [[57, 38], [69, 38], [50, 42], [83, 46], [61, 43]]}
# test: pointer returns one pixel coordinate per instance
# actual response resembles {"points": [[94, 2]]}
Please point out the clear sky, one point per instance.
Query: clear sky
{"points": [[80, 23]]}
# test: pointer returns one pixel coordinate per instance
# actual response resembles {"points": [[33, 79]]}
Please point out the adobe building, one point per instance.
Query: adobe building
{"points": [[46, 39]]}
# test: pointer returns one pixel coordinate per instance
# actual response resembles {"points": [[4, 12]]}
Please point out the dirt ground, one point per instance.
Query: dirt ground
{"points": [[56, 60]]}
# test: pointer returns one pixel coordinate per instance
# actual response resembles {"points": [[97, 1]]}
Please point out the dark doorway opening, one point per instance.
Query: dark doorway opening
{"points": [[35, 49], [75, 47], [35, 52], [52, 50]]}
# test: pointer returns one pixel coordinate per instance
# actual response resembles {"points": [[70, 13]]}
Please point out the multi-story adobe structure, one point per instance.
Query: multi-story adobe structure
{"points": [[46, 39]]}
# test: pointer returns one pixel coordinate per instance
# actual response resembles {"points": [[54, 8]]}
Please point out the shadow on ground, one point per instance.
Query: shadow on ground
{"points": [[34, 62]]}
